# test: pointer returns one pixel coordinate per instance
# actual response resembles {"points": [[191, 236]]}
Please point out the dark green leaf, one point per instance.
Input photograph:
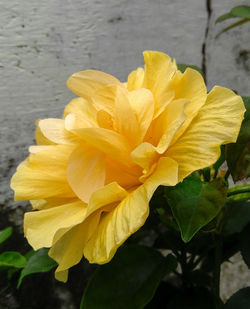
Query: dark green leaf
{"points": [[224, 17], [194, 203], [39, 262], [241, 300], [239, 218], [182, 67], [241, 11], [5, 234], [129, 280], [238, 154], [245, 245], [12, 259]]}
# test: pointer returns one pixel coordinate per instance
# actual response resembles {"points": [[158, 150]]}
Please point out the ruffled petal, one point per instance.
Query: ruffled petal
{"points": [[86, 171], [159, 71], [41, 226], [43, 175], [83, 108], [54, 130], [68, 250], [125, 121], [94, 85], [109, 142], [190, 86], [135, 79], [142, 103], [217, 122], [128, 216]]}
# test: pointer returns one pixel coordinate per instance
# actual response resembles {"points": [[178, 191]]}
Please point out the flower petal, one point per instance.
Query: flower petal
{"points": [[68, 250], [161, 133], [116, 226], [41, 226], [110, 142], [83, 108], [142, 103], [128, 216], [190, 86], [135, 79], [94, 85], [125, 121], [54, 130], [86, 171], [43, 174], [159, 71], [218, 122]]}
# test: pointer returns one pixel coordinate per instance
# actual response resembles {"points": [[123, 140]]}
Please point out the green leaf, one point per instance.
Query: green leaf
{"points": [[39, 262], [194, 203], [224, 17], [240, 217], [182, 67], [238, 154], [238, 11], [241, 300], [129, 280], [5, 234], [241, 11], [12, 259]]}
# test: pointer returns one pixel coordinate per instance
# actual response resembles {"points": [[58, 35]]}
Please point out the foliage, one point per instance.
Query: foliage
{"points": [[241, 11]]}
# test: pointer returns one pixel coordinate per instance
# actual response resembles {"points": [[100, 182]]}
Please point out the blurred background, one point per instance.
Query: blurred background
{"points": [[43, 42]]}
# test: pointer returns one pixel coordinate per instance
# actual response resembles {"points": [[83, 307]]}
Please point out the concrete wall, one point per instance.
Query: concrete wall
{"points": [[43, 42]]}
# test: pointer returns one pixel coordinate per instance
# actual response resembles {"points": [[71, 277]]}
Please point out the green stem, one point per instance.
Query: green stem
{"points": [[238, 189]]}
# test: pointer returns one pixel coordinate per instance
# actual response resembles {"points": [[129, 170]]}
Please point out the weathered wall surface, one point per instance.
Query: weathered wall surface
{"points": [[43, 42]]}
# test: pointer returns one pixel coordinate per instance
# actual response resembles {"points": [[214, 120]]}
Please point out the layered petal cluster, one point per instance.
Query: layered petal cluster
{"points": [[92, 173]]}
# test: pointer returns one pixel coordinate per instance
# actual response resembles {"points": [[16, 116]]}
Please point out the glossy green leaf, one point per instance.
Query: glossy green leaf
{"points": [[182, 67], [5, 234], [194, 203], [238, 154], [241, 300], [39, 262], [12, 259], [129, 280], [239, 217], [224, 17]]}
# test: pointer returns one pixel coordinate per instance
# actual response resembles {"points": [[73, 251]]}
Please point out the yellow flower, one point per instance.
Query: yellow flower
{"points": [[92, 173]]}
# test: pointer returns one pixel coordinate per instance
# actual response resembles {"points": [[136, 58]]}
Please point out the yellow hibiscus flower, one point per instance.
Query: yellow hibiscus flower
{"points": [[92, 174]]}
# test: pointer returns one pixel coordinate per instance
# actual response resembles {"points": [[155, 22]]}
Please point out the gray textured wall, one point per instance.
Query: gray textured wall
{"points": [[43, 42]]}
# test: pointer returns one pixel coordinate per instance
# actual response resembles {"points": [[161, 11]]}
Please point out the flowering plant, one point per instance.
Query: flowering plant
{"points": [[93, 173]]}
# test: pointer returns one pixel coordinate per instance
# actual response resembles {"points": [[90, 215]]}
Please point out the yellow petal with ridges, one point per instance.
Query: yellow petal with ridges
{"points": [[68, 250], [142, 103], [159, 71], [190, 86], [135, 79], [125, 121], [83, 108], [217, 122], [109, 142], [41, 226], [86, 171], [43, 174], [54, 130]]}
